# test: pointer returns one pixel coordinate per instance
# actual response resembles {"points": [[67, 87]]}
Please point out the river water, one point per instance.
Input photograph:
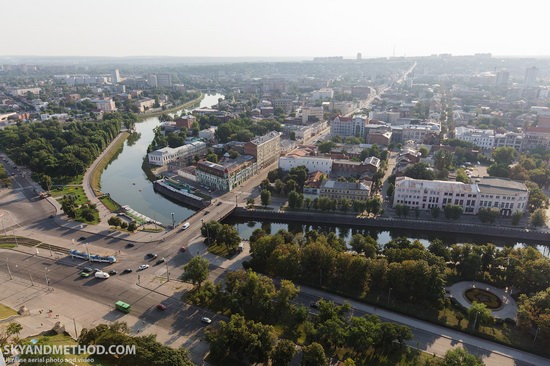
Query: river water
{"points": [[127, 184]]}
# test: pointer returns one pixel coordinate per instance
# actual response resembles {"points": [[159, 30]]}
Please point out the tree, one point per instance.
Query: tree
{"points": [[424, 151], [479, 314], [326, 147], [114, 221], [499, 170], [390, 189], [211, 157], [196, 271], [460, 357], [435, 211], [461, 176], [505, 155], [314, 355], [516, 217], [265, 196], [283, 353], [295, 199], [132, 226], [488, 214], [420, 171], [539, 218], [443, 160]]}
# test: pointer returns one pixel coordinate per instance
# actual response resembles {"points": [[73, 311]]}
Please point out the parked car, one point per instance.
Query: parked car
{"points": [[219, 203], [82, 238], [183, 249], [150, 256], [130, 245], [112, 272], [142, 267], [206, 320], [87, 270], [185, 226], [159, 261], [85, 274], [314, 305], [128, 270], [161, 307]]}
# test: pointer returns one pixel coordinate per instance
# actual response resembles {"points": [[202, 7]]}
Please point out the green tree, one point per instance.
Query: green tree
{"points": [[114, 221], [265, 197], [435, 211], [283, 353], [539, 218], [326, 147], [505, 155], [196, 271], [499, 170], [295, 199], [461, 176], [516, 217], [211, 157], [460, 357], [420, 171], [479, 314], [488, 214], [132, 226], [424, 151], [314, 355]]}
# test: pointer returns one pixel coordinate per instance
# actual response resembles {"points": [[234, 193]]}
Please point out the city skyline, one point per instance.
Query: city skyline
{"points": [[304, 29]]}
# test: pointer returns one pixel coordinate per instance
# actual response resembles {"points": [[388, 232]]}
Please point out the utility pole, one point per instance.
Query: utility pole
{"points": [[536, 334], [30, 275], [75, 331], [173, 221], [167, 273], [15, 237]]}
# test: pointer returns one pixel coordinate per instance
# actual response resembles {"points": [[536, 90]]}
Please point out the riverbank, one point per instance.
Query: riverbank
{"points": [[142, 117], [95, 175], [520, 234]]}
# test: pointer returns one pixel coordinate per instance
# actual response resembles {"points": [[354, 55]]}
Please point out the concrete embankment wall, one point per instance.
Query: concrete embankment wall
{"points": [[390, 223]]}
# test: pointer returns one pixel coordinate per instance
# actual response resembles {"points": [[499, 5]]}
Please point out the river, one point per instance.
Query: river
{"points": [[127, 184]]}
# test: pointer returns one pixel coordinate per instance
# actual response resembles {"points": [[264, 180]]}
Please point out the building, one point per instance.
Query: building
{"points": [[511, 139], [164, 81], [485, 139], [333, 189], [531, 75], [185, 121], [22, 92], [502, 78], [105, 104], [227, 174], [152, 81], [266, 149], [312, 114], [165, 155], [273, 85], [144, 104], [489, 192], [208, 134], [312, 163], [536, 137], [322, 94], [115, 77], [348, 126]]}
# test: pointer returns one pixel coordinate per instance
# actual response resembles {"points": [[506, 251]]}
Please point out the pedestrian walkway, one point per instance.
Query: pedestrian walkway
{"points": [[509, 306]]}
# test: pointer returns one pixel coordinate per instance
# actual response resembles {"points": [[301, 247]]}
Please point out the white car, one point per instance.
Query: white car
{"points": [[185, 226], [206, 320], [142, 267]]}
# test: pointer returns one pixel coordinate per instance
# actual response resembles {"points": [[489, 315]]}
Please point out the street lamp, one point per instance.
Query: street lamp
{"points": [[47, 279], [167, 273]]}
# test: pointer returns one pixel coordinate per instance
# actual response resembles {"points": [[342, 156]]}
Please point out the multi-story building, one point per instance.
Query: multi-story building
{"points": [[490, 192], [115, 77], [536, 137], [322, 94], [485, 139], [502, 78], [312, 114], [359, 191], [273, 85], [105, 104], [348, 126], [164, 80], [266, 149], [227, 174], [167, 154], [312, 163], [531, 74], [186, 121], [511, 139], [145, 104]]}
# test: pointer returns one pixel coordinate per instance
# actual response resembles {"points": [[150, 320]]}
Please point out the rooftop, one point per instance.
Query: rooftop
{"points": [[265, 138], [334, 184]]}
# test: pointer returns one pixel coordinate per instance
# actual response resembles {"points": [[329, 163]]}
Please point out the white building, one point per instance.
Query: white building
{"points": [[165, 155], [511, 139], [311, 113], [322, 94], [208, 134], [482, 138], [489, 192], [312, 163], [105, 104], [348, 126]]}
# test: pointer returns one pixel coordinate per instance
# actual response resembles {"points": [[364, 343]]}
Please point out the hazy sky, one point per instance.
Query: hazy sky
{"points": [[283, 28]]}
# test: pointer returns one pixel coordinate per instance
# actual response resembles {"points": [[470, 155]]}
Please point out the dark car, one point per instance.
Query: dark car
{"points": [[128, 270], [112, 272], [219, 203], [161, 307], [160, 261], [150, 256], [130, 245], [82, 238], [314, 305], [183, 249], [87, 270]]}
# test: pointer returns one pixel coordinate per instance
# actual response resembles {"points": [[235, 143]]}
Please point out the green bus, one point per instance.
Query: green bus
{"points": [[122, 306]]}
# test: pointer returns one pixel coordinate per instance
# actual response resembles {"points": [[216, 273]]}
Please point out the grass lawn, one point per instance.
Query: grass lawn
{"points": [[61, 340], [220, 250], [59, 191], [6, 312], [110, 203], [7, 245], [95, 221]]}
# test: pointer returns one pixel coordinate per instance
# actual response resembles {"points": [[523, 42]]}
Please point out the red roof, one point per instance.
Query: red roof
{"points": [[539, 129]]}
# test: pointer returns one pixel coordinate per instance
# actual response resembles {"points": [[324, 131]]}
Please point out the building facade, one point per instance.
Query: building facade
{"points": [[339, 190], [485, 139], [227, 174], [266, 149], [312, 163], [348, 126], [165, 155], [489, 192]]}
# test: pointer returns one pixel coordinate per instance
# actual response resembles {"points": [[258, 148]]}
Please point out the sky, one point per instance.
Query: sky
{"points": [[280, 28]]}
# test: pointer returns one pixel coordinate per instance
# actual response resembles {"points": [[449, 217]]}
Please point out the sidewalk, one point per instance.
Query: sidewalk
{"points": [[509, 306]]}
